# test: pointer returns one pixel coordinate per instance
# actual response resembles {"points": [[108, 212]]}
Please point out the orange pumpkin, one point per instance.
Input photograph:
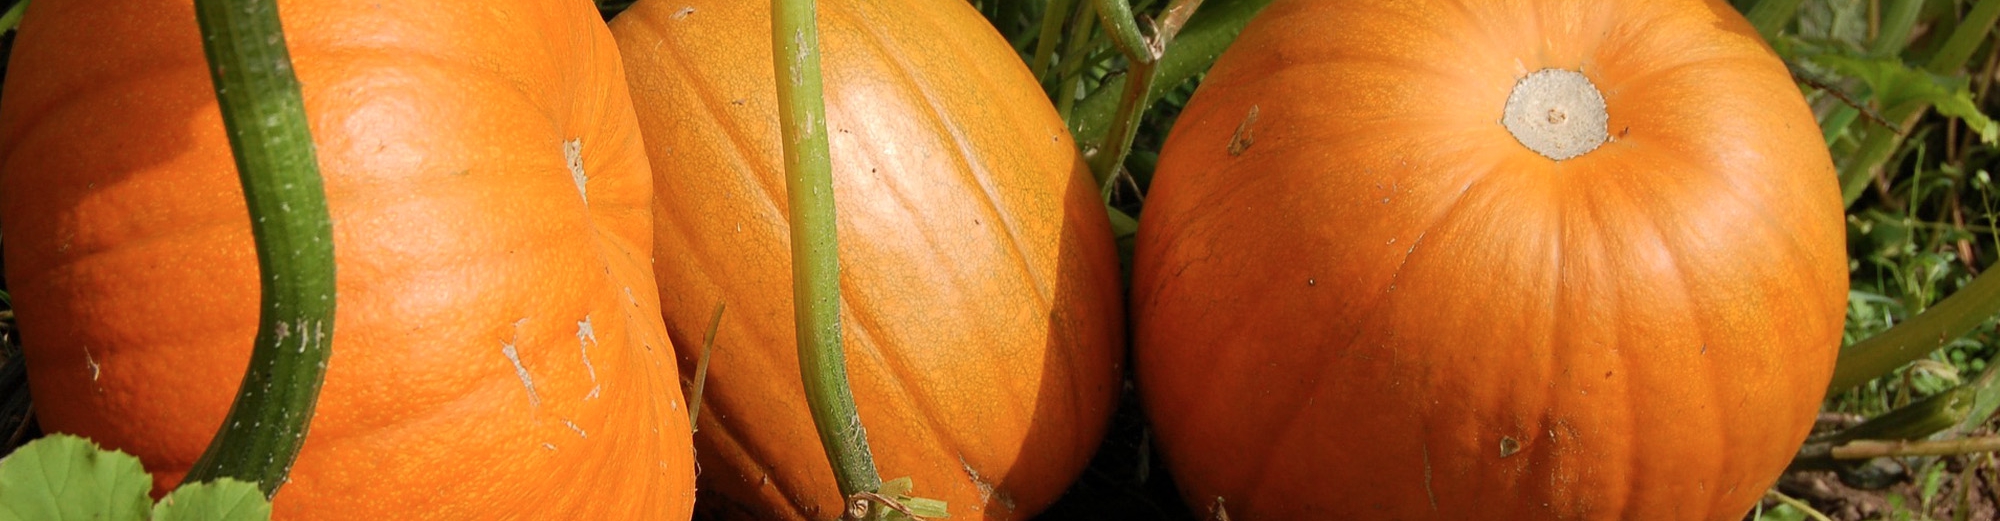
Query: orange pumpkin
{"points": [[980, 285], [497, 350], [1531, 259]]}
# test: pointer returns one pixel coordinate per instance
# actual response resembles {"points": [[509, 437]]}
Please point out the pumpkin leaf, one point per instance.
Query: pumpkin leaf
{"points": [[1895, 84], [67, 478], [221, 500]]}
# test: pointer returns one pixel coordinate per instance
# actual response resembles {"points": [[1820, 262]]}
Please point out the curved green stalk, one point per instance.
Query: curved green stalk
{"points": [[1081, 28], [12, 19], [815, 262], [1918, 336], [1207, 34], [1045, 45], [265, 119], [1770, 16], [1143, 56], [1123, 28], [1965, 38]]}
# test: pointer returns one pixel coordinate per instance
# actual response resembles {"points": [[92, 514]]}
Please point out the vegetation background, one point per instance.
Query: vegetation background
{"points": [[1901, 88]]}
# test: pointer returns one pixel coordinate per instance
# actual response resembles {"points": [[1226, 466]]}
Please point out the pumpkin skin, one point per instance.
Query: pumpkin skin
{"points": [[1384, 306], [981, 304], [471, 259]]}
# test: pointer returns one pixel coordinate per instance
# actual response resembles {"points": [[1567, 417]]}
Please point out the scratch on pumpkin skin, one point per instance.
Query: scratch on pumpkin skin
{"points": [[507, 348], [1241, 141], [95, 370], [573, 156], [579, 430], [585, 336], [986, 491], [1428, 491]]}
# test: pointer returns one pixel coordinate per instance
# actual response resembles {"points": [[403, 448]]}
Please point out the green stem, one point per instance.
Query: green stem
{"points": [[1207, 34], [815, 262], [12, 19], [1915, 421], [1123, 28], [1898, 21], [1965, 38], [1110, 153], [1143, 55], [1918, 336], [265, 120], [1771, 16], [1045, 45], [1081, 28]]}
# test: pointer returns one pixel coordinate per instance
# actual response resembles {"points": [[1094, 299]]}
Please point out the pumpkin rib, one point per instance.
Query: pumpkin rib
{"points": [[1797, 254], [1797, 250], [899, 376], [733, 134], [1274, 444], [937, 116]]}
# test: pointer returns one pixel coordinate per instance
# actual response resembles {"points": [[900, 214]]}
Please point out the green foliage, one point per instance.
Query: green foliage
{"points": [[229, 500], [67, 478]]}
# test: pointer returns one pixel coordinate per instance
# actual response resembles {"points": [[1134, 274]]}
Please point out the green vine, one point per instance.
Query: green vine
{"points": [[264, 117]]}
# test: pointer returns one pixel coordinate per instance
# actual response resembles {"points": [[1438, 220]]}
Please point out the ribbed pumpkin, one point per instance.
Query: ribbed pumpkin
{"points": [[980, 285], [498, 350], [1398, 263]]}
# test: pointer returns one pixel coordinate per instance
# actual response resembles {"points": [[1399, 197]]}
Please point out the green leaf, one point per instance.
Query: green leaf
{"points": [[67, 478], [1895, 84], [224, 500]]}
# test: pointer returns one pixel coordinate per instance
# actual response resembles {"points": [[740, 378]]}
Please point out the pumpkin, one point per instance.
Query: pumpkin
{"points": [[1531, 259], [497, 341], [980, 293]]}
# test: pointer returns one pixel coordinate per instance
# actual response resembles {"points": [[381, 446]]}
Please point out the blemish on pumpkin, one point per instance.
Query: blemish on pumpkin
{"points": [[95, 370], [683, 13], [573, 156], [986, 491], [1509, 447], [579, 430], [549, 446], [585, 336], [1428, 491], [528, 382], [1241, 141]]}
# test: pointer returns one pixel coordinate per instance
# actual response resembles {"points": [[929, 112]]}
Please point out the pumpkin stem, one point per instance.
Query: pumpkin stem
{"points": [[1557, 113], [264, 116], [815, 249], [1143, 53]]}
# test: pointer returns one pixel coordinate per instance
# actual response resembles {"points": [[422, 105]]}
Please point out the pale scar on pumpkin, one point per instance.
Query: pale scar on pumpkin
{"points": [[573, 156], [585, 336], [986, 490], [528, 382], [95, 370], [579, 430], [1241, 141]]}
